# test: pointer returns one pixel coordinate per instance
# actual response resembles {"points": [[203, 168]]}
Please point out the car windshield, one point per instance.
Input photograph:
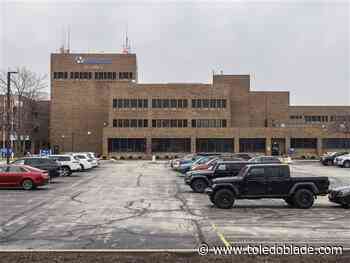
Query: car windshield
{"points": [[81, 156]]}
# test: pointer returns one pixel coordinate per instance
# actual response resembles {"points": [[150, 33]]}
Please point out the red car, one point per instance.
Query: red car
{"points": [[23, 176]]}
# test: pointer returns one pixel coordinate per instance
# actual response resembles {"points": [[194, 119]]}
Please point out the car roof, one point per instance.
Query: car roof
{"points": [[267, 164], [243, 161]]}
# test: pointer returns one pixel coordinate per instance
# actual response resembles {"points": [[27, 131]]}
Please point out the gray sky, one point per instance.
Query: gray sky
{"points": [[301, 47]]}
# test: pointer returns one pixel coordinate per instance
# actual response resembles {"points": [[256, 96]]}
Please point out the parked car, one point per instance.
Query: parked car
{"points": [[267, 181], [42, 163], [23, 176], [343, 161], [185, 167], [201, 179], [69, 163], [91, 155], [84, 161], [340, 195], [328, 159], [265, 159]]}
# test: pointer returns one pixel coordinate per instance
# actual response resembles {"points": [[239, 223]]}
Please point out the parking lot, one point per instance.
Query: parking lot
{"points": [[145, 205]]}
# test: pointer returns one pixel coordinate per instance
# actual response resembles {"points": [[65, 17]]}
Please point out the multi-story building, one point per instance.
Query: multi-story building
{"points": [[29, 120], [98, 105]]}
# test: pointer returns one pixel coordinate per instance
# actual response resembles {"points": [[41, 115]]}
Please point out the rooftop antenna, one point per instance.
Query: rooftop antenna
{"points": [[63, 41], [68, 41], [126, 45]]}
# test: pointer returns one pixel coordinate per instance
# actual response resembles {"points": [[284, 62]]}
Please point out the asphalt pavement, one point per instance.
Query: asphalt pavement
{"points": [[145, 205]]}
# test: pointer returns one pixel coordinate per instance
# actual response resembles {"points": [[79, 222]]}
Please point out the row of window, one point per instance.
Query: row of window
{"points": [[209, 123], [133, 123], [216, 145], [169, 103], [336, 143], [98, 75], [130, 103], [320, 118], [169, 123], [316, 118], [208, 103]]}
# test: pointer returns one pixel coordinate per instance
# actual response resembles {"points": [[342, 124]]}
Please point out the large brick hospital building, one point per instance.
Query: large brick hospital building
{"points": [[98, 105]]}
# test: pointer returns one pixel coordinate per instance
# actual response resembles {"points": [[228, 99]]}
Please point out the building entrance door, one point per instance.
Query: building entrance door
{"points": [[278, 146]]}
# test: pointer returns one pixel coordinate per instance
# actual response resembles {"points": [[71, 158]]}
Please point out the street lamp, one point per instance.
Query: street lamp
{"points": [[8, 109]]}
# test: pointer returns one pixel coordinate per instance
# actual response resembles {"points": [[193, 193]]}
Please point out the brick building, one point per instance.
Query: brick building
{"points": [[29, 122], [98, 105]]}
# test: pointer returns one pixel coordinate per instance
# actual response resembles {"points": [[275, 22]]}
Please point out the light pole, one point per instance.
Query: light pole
{"points": [[89, 133], [62, 142], [8, 108]]}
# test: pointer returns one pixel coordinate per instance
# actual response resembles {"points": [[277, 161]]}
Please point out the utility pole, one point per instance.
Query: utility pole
{"points": [[8, 109]]}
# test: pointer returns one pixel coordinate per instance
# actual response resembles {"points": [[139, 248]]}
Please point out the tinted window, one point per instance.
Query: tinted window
{"points": [[2, 169], [257, 171], [221, 167], [81, 156], [15, 169]]}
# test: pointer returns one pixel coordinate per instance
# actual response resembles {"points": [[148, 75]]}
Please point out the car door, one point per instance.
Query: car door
{"points": [[15, 175], [4, 177], [277, 180], [234, 168], [255, 182]]}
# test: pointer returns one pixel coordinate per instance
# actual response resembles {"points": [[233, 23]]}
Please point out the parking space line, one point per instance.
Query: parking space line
{"points": [[220, 235]]}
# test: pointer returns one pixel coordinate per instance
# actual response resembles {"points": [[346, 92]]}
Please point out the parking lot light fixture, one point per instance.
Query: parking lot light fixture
{"points": [[8, 112]]}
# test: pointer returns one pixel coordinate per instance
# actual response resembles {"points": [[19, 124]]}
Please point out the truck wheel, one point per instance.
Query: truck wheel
{"points": [[346, 164], [199, 185], [346, 206], [224, 198], [303, 198], [289, 201]]}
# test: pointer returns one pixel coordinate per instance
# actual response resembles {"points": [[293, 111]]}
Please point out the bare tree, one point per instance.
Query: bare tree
{"points": [[26, 89]]}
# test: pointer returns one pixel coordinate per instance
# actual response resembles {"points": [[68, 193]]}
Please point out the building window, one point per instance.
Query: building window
{"points": [[126, 145], [309, 119], [125, 75], [303, 143], [60, 75], [130, 123], [166, 123], [171, 145], [206, 103], [336, 143], [252, 145], [130, 103], [169, 103], [209, 123], [214, 145]]}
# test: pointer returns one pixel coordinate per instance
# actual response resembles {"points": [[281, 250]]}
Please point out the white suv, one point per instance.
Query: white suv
{"points": [[343, 161], [84, 160], [94, 161], [68, 163]]}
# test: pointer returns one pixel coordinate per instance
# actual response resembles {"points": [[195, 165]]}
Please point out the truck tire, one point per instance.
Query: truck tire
{"points": [[199, 185], [346, 164], [224, 198], [303, 198], [289, 201]]}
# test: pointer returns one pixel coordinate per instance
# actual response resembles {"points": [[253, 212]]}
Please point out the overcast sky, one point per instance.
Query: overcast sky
{"points": [[297, 46]]}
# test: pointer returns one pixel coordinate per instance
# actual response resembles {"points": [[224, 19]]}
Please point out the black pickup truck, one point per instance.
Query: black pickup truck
{"points": [[200, 179], [267, 181]]}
